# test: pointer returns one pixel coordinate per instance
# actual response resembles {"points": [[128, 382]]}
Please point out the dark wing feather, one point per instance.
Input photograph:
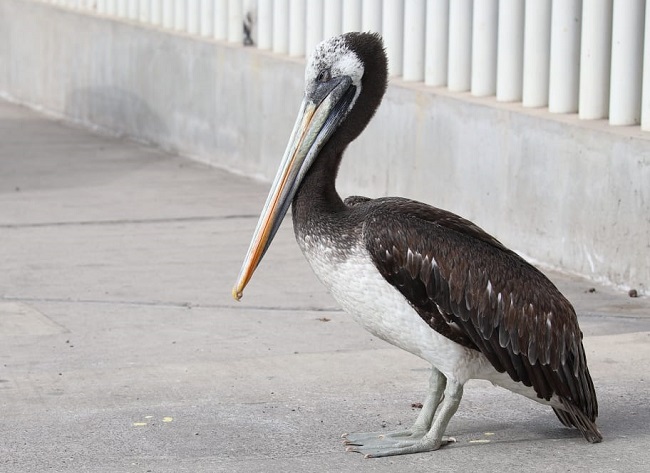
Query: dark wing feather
{"points": [[467, 286]]}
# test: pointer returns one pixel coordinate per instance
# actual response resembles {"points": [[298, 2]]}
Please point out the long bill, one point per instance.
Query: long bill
{"points": [[314, 125]]}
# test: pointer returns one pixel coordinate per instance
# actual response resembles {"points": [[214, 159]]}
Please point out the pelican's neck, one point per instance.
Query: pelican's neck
{"points": [[317, 197]]}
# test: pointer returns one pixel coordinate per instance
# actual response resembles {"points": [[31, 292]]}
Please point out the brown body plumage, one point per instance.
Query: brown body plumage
{"points": [[470, 288]]}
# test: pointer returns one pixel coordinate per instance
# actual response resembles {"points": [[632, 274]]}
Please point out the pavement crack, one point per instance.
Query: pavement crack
{"points": [[135, 221], [171, 304]]}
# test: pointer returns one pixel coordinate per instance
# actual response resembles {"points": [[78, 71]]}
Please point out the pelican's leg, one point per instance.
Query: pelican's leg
{"points": [[432, 440], [422, 424]]}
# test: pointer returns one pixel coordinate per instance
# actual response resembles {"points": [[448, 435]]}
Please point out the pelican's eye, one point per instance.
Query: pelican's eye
{"points": [[323, 76]]}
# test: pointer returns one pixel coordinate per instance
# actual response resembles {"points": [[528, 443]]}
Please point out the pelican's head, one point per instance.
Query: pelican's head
{"points": [[345, 80]]}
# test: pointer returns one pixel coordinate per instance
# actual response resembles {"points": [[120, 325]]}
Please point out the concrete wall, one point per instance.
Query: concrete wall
{"points": [[567, 193]]}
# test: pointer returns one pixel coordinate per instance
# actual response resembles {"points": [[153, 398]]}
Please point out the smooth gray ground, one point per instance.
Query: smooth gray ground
{"points": [[121, 348]]}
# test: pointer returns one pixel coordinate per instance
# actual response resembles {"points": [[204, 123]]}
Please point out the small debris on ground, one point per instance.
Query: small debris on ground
{"points": [[416, 405], [323, 319], [591, 290], [633, 293]]}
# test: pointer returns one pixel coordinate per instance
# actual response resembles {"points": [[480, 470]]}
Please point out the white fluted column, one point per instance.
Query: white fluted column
{"points": [[484, 48], [193, 16], [371, 16], [265, 24], [351, 15], [235, 21], [332, 18], [645, 103], [414, 39], [437, 43], [564, 69], [537, 52], [510, 56], [314, 21], [595, 59], [221, 20], [156, 12], [281, 26], [297, 34], [207, 18], [168, 14], [392, 27], [133, 9], [460, 45], [121, 8], [111, 7], [144, 14], [180, 15], [627, 62]]}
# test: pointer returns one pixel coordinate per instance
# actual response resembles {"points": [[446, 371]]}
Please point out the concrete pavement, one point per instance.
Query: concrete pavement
{"points": [[121, 349]]}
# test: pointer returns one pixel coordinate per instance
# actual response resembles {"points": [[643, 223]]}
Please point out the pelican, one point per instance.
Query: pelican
{"points": [[418, 277]]}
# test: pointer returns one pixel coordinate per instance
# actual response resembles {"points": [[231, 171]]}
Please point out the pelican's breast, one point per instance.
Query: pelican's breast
{"points": [[355, 283]]}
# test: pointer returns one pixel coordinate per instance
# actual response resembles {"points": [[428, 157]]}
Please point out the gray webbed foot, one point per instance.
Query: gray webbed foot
{"points": [[376, 444]]}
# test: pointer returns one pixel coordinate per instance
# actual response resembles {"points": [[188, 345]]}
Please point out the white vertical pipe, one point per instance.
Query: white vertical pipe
{"points": [[111, 7], [265, 15], [351, 15], [133, 11], [221, 20], [168, 14], [537, 49], [645, 103], [145, 11], [101, 7], [121, 8], [484, 48], [414, 39], [595, 59], [193, 16], [235, 21], [314, 21], [437, 43], [371, 16], [180, 15], [627, 62], [281, 26], [510, 56], [332, 18], [207, 18], [460, 45], [156, 12], [392, 26], [564, 68], [297, 18]]}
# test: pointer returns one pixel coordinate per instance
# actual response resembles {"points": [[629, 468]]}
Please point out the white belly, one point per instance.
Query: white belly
{"points": [[360, 289]]}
